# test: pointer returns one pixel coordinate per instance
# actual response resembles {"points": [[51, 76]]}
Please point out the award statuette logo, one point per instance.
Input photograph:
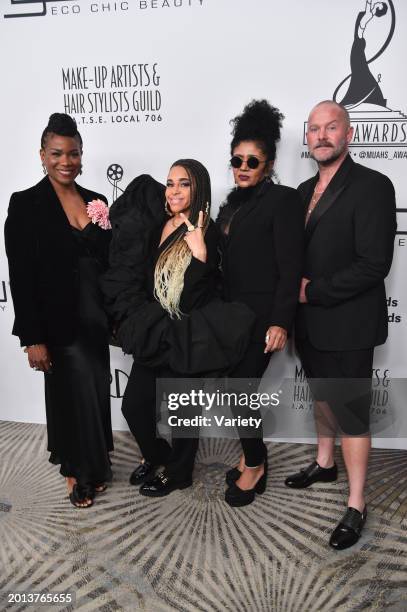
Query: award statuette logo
{"points": [[31, 8], [363, 88], [362, 91]]}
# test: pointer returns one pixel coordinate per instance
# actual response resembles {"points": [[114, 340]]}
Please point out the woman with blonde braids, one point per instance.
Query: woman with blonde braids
{"points": [[162, 291]]}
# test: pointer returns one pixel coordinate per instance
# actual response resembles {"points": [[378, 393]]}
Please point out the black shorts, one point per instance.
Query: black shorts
{"points": [[343, 379]]}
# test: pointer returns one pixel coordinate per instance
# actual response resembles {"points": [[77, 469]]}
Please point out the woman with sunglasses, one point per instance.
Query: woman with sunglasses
{"points": [[262, 226]]}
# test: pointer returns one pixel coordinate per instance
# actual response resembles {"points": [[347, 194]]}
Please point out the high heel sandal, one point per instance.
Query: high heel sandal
{"points": [[237, 497], [100, 487], [81, 495]]}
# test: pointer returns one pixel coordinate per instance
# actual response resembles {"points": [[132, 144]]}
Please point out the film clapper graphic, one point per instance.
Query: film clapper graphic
{"points": [[114, 175], [28, 6]]}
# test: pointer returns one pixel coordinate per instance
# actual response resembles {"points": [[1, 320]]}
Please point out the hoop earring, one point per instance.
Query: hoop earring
{"points": [[44, 169], [167, 210]]}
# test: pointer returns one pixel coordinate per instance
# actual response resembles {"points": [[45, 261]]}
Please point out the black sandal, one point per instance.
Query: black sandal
{"points": [[80, 495], [100, 487]]}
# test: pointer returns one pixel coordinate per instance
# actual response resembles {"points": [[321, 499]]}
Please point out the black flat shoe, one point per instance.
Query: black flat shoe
{"points": [[348, 531], [143, 472], [237, 497], [162, 485], [313, 473], [232, 475]]}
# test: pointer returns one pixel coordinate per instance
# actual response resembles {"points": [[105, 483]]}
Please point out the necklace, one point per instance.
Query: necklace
{"points": [[314, 200]]}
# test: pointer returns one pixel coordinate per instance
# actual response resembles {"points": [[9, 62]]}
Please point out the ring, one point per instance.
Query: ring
{"points": [[200, 226], [267, 338], [191, 228]]}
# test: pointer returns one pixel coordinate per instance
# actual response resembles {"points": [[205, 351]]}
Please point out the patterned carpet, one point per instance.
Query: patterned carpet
{"points": [[190, 552]]}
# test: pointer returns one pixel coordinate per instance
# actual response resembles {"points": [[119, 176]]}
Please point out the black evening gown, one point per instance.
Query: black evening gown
{"points": [[77, 392]]}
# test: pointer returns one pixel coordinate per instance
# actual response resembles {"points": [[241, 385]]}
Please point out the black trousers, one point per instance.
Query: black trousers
{"points": [[343, 380], [253, 365], [139, 410]]}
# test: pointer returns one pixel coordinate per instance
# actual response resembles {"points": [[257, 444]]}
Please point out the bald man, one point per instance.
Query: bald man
{"points": [[350, 225]]}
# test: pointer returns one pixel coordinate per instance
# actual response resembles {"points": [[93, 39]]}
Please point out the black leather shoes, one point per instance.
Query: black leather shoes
{"points": [[237, 497], [163, 485], [348, 531], [143, 472], [232, 475], [313, 473]]}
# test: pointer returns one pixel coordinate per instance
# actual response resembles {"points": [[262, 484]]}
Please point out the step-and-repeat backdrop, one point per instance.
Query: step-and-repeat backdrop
{"points": [[150, 81]]}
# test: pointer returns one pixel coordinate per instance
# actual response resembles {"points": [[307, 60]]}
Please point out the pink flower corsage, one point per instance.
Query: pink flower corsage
{"points": [[98, 212]]}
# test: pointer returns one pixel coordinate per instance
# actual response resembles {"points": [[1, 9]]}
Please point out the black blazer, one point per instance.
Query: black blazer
{"points": [[263, 256], [43, 264], [349, 250]]}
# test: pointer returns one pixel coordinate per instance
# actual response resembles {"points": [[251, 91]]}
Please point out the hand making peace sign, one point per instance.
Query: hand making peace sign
{"points": [[195, 238]]}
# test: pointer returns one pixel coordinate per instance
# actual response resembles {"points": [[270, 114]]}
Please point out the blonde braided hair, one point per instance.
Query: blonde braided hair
{"points": [[174, 260]]}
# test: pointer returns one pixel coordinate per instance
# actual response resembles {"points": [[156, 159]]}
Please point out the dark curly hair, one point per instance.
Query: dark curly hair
{"points": [[62, 125], [261, 123]]}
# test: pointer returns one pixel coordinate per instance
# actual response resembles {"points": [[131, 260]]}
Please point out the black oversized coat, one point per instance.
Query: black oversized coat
{"points": [[211, 335]]}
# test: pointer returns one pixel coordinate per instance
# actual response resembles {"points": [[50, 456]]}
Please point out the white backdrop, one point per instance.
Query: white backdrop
{"points": [[152, 81]]}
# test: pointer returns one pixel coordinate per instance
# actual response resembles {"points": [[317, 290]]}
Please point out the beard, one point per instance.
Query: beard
{"points": [[333, 156]]}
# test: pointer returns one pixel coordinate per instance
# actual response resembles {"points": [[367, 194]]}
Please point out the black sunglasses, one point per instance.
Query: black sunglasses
{"points": [[252, 162]]}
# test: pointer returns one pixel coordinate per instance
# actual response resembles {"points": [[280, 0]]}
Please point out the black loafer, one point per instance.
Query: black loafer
{"points": [[232, 475], [313, 473], [348, 531], [163, 485], [237, 497], [143, 472]]}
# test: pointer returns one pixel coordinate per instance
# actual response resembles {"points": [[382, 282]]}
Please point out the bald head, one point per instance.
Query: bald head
{"points": [[329, 133], [330, 104]]}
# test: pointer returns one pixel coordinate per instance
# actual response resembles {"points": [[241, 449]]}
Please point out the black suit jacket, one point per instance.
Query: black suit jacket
{"points": [[263, 256], [43, 264], [349, 250]]}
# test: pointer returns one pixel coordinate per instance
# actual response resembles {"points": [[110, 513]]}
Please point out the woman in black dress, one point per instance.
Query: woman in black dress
{"points": [[262, 224], [56, 255], [161, 288]]}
